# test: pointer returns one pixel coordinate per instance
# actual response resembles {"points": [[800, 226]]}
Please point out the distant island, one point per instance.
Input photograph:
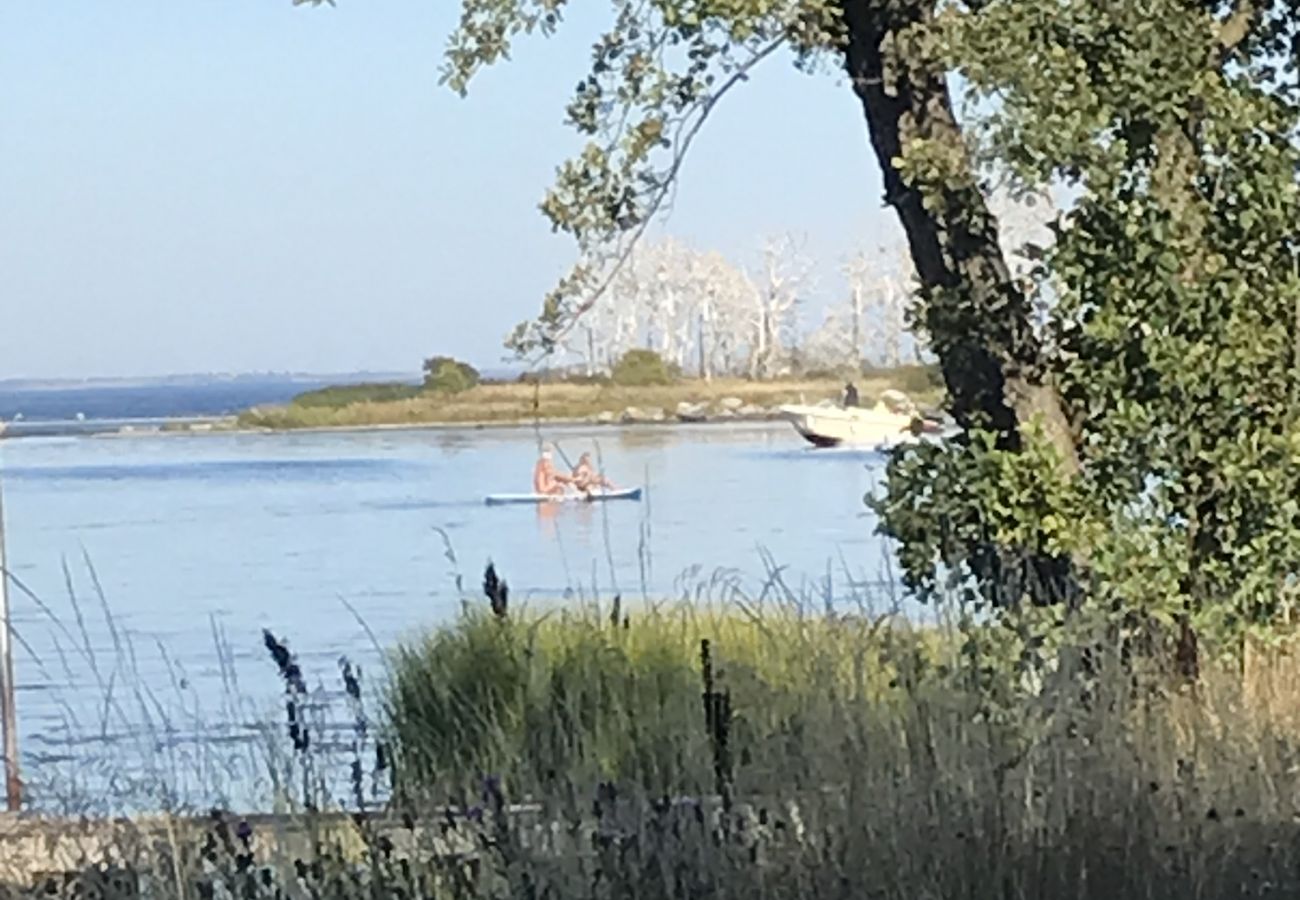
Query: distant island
{"points": [[640, 389]]}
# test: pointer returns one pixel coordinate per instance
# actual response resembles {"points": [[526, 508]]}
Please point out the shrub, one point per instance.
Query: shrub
{"points": [[448, 375], [642, 368], [344, 395]]}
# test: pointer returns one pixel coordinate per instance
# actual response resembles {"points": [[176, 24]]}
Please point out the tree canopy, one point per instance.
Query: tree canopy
{"points": [[1174, 284]]}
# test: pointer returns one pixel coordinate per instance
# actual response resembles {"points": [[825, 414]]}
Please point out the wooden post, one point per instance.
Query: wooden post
{"points": [[8, 714]]}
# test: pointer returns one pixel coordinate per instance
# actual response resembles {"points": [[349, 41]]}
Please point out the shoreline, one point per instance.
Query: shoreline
{"points": [[516, 404], [496, 405], [482, 425], [229, 426]]}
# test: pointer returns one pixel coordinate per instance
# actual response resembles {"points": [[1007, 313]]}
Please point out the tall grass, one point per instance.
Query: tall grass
{"points": [[853, 757], [739, 749], [612, 694]]}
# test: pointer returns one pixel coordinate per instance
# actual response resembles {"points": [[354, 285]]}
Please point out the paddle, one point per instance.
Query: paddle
{"points": [[564, 456]]}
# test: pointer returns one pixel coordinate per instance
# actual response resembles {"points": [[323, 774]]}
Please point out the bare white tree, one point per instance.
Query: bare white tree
{"points": [[706, 316], [694, 309], [724, 296], [830, 346], [881, 283], [784, 279]]}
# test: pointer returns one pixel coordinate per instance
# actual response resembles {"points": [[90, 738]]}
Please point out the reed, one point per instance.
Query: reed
{"points": [[733, 749]]}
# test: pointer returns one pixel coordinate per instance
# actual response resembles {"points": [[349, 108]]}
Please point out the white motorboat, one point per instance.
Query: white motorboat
{"points": [[893, 420]]}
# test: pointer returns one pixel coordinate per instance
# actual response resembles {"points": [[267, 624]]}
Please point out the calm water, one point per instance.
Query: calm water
{"points": [[180, 550], [148, 401]]}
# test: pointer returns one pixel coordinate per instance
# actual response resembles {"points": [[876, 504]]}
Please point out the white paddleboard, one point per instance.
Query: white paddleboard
{"points": [[621, 494]]}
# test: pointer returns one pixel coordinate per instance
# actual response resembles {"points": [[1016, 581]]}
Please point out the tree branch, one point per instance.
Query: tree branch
{"points": [[686, 136]]}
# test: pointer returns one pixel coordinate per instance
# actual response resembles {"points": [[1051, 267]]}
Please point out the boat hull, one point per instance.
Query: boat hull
{"points": [[835, 427], [596, 497]]}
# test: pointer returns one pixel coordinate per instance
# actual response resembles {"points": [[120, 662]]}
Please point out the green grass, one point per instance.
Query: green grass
{"points": [[565, 752], [601, 698]]}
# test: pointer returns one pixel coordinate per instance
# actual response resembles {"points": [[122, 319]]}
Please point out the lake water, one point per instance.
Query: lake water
{"points": [[154, 563], [158, 399]]}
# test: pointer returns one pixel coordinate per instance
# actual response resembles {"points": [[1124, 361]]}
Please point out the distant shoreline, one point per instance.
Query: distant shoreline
{"points": [[395, 406], [578, 402], [230, 427]]}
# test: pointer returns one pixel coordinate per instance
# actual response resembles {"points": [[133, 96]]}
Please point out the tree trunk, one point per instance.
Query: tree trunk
{"points": [[978, 320], [856, 356], [706, 352], [895, 304]]}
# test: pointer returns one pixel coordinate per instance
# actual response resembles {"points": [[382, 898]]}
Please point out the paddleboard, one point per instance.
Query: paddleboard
{"points": [[621, 494]]}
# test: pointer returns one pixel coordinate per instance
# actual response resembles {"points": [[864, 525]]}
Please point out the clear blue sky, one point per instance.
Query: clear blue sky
{"points": [[241, 185]]}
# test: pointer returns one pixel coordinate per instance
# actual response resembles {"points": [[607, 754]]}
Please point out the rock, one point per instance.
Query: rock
{"points": [[750, 411], [692, 412], [731, 404], [606, 418], [634, 415]]}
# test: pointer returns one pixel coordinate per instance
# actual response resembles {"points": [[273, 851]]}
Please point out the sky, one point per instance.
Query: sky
{"points": [[242, 185]]}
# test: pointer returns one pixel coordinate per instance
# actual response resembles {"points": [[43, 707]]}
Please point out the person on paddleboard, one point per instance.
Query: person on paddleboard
{"points": [[545, 479], [585, 477]]}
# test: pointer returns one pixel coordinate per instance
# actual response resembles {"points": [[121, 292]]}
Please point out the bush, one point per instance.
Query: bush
{"points": [[642, 368], [345, 395], [448, 375]]}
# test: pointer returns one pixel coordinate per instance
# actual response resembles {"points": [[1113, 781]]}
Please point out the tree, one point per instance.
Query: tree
{"points": [[1173, 291], [696, 310], [774, 302], [642, 368], [881, 283], [443, 373]]}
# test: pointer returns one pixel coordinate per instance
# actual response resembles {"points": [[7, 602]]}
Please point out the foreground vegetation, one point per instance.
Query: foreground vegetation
{"points": [[497, 402], [737, 748], [855, 755]]}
